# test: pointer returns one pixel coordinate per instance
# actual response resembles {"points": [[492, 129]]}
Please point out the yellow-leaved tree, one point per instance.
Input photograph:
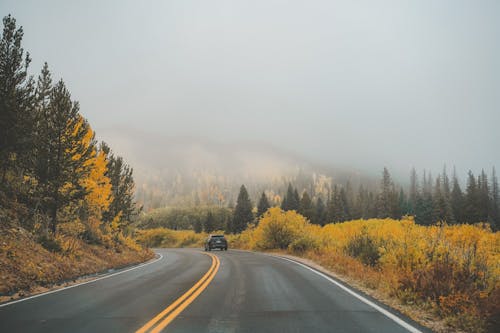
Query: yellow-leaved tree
{"points": [[95, 185]]}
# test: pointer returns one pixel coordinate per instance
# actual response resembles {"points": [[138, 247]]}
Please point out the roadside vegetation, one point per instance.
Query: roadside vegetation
{"points": [[27, 266], [66, 201], [162, 237]]}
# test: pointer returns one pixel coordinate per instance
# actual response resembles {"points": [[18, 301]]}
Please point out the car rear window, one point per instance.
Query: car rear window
{"points": [[217, 236]]}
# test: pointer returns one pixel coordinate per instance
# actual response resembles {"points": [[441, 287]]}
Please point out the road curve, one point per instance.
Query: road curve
{"points": [[243, 292]]}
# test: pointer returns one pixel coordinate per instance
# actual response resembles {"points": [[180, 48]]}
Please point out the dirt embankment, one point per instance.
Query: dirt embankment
{"points": [[26, 267]]}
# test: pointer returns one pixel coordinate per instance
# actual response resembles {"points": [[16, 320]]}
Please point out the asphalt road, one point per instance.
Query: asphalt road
{"points": [[240, 292]]}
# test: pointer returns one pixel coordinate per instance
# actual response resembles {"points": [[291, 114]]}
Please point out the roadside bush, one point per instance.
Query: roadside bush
{"points": [[155, 237], [161, 237], [303, 244], [364, 248], [278, 229]]}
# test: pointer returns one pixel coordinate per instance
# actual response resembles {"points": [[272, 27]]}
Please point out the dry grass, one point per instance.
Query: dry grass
{"points": [[26, 266]]}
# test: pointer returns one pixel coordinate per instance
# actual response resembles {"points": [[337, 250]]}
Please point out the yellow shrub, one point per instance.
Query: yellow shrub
{"points": [[161, 237], [278, 229]]}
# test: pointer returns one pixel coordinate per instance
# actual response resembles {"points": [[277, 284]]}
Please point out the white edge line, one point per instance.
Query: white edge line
{"points": [[361, 298], [81, 284]]}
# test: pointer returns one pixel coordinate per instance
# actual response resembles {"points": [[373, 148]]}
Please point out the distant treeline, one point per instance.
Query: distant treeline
{"points": [[430, 201], [52, 170], [201, 218]]}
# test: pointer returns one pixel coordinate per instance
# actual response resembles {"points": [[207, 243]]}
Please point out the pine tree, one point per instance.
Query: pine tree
{"points": [[17, 101], [296, 200], [70, 149], [331, 206], [209, 224], [242, 214], [197, 226], [320, 214], [495, 202], [345, 208], [424, 206], [42, 144], [457, 200], [413, 192], [123, 206], [291, 199], [471, 200], [349, 201], [336, 206], [386, 196], [284, 202], [446, 191], [439, 204], [306, 207], [364, 204], [484, 205], [404, 208], [263, 205]]}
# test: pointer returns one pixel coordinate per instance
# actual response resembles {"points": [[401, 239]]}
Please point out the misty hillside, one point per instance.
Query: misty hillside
{"points": [[187, 171]]}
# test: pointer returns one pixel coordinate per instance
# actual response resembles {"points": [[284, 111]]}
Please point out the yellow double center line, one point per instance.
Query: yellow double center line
{"points": [[161, 320]]}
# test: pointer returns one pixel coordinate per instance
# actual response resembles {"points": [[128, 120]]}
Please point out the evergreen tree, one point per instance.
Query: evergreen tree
{"points": [[296, 200], [357, 204], [386, 196], [364, 204], [495, 202], [413, 192], [471, 200], [320, 214], [336, 210], [330, 206], [42, 144], [424, 209], [291, 199], [284, 202], [306, 207], [209, 224], [446, 191], [263, 205], [17, 101], [424, 206], [123, 206], [69, 149], [446, 183], [483, 199], [345, 208], [457, 200], [197, 226], [349, 201], [439, 204], [242, 215], [404, 208]]}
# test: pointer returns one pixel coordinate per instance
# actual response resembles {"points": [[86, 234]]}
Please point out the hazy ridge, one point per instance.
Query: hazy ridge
{"points": [[188, 170]]}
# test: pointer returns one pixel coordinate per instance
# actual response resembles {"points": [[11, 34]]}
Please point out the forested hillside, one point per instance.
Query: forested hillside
{"points": [[430, 200], [58, 183]]}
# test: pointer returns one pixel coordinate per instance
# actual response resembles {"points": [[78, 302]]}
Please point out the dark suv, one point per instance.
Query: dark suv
{"points": [[216, 242]]}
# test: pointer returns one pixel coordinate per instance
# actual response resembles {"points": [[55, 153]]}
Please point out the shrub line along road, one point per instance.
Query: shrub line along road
{"points": [[186, 290]]}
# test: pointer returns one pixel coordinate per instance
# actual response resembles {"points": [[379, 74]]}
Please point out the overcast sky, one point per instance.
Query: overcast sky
{"points": [[361, 83]]}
